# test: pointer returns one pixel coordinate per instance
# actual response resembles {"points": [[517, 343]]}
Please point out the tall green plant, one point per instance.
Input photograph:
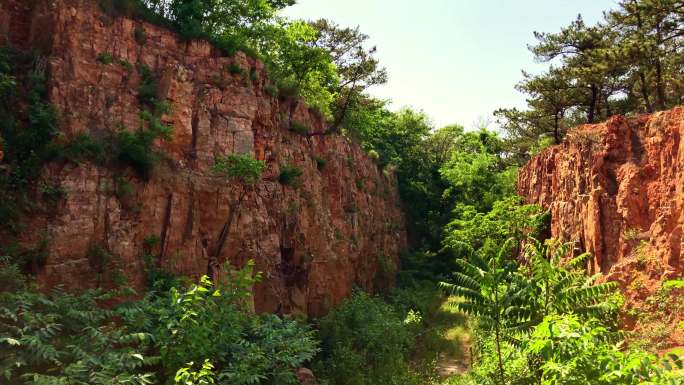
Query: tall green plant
{"points": [[494, 292], [562, 287]]}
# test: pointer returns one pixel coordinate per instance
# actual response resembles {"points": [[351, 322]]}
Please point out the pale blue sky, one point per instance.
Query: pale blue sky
{"points": [[457, 60]]}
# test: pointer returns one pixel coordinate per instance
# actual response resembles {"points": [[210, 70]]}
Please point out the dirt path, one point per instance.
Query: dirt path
{"points": [[456, 358]]}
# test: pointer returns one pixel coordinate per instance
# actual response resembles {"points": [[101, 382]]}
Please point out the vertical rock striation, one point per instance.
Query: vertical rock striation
{"points": [[341, 227], [617, 189]]}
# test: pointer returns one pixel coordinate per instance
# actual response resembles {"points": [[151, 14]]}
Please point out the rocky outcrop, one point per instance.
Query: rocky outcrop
{"points": [[340, 228], [617, 189], [614, 186]]}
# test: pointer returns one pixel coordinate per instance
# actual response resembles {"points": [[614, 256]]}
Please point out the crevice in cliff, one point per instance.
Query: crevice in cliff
{"points": [[165, 229]]}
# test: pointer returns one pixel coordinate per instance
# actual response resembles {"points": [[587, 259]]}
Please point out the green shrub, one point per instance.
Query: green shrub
{"points": [[27, 126], [374, 154], [235, 69], [572, 351], [62, 338], [58, 338], [243, 168], [147, 90], [213, 322], [105, 58], [139, 35], [299, 128], [364, 341], [80, 148], [290, 176], [320, 163], [52, 192], [271, 90]]}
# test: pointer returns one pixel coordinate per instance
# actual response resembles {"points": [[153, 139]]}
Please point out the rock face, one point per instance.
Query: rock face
{"points": [[617, 189], [614, 186], [341, 227]]}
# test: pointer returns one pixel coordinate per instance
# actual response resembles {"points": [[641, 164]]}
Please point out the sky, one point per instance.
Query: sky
{"points": [[457, 60]]}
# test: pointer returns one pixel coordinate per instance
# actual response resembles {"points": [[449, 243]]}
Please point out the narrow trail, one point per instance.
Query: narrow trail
{"points": [[454, 342]]}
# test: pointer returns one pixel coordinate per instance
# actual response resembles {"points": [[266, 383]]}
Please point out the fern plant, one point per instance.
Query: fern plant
{"points": [[495, 292], [561, 286], [62, 338]]}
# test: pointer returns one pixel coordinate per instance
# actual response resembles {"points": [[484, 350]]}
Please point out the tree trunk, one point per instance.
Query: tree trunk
{"points": [[591, 114], [497, 333], [556, 128], [660, 88], [644, 92]]}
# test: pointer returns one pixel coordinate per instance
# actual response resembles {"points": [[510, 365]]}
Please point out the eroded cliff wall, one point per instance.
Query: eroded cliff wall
{"points": [[342, 227], [617, 188], [614, 186]]}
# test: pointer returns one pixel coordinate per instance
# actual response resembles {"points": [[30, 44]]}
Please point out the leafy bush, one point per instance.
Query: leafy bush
{"points": [[105, 58], [213, 324], [80, 148], [299, 128], [364, 342], [203, 332], [235, 69], [147, 90], [320, 162], [572, 351], [271, 90], [508, 302], [139, 35], [243, 168], [289, 175], [58, 337]]}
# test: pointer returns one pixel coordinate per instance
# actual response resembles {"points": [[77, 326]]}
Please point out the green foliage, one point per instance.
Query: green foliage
{"points": [[80, 148], [487, 232], [509, 301], [58, 338], [586, 352], [364, 341], [271, 90], [53, 192], [147, 90], [27, 127], [243, 168], [213, 324], [135, 148], [105, 58], [289, 175], [139, 35], [235, 69], [320, 162], [299, 128], [625, 64]]}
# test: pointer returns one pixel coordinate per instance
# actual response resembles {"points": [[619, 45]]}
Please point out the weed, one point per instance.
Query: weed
{"points": [[299, 128], [105, 58], [631, 234], [126, 64], [320, 163], [374, 154], [271, 90], [235, 69], [140, 35], [290, 175], [52, 192], [80, 148]]}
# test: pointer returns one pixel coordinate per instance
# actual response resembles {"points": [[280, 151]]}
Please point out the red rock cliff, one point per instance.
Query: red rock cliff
{"points": [[617, 188], [313, 243], [614, 185]]}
